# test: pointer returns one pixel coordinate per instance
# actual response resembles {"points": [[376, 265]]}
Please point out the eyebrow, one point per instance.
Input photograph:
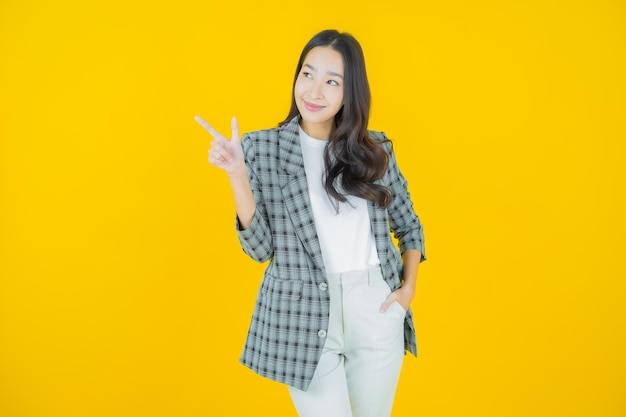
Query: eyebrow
{"points": [[336, 74]]}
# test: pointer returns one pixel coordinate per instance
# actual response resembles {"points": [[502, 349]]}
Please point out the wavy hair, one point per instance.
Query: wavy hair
{"points": [[352, 160]]}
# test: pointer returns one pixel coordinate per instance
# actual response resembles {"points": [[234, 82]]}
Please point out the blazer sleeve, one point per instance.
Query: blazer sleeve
{"points": [[256, 240], [403, 221]]}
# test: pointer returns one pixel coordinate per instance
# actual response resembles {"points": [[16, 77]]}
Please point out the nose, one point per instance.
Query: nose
{"points": [[316, 90]]}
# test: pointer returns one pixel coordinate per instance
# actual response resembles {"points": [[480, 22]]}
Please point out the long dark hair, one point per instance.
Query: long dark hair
{"points": [[352, 159]]}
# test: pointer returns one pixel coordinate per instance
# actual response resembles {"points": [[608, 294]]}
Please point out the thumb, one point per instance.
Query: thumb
{"points": [[235, 130], [388, 301]]}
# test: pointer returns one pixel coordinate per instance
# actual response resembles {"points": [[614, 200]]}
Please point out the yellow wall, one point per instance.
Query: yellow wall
{"points": [[124, 292]]}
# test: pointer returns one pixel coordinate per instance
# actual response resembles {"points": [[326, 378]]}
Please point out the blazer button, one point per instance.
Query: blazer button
{"points": [[321, 334], [323, 286]]}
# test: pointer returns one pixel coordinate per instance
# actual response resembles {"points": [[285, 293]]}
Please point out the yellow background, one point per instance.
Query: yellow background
{"points": [[123, 289]]}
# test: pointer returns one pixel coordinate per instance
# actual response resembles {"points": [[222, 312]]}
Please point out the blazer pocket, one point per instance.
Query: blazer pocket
{"points": [[290, 289]]}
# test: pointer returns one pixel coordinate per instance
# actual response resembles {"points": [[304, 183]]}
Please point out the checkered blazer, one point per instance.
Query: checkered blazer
{"points": [[285, 340]]}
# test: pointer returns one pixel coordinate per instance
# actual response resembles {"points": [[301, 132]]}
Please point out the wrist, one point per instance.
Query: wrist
{"points": [[408, 289], [238, 173]]}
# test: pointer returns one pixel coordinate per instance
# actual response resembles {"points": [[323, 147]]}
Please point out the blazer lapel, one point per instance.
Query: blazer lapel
{"points": [[295, 190], [380, 227]]}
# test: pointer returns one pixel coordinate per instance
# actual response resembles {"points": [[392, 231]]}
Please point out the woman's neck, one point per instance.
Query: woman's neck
{"points": [[316, 131]]}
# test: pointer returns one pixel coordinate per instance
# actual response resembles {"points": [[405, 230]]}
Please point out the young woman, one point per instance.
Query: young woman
{"points": [[317, 197]]}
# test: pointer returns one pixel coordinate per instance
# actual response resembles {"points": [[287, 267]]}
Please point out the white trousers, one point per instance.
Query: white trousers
{"points": [[358, 372]]}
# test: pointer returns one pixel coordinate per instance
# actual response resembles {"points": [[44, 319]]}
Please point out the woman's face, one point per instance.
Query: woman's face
{"points": [[319, 91]]}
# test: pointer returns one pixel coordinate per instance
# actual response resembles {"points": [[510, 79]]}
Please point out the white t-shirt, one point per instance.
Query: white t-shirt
{"points": [[346, 237]]}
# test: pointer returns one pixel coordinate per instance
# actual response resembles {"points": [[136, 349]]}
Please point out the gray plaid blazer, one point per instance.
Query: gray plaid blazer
{"points": [[287, 331]]}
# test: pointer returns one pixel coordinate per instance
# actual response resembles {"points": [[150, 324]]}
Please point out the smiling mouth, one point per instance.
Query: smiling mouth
{"points": [[312, 107]]}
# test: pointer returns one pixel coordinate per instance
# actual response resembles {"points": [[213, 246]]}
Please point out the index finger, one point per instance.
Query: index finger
{"points": [[207, 126]]}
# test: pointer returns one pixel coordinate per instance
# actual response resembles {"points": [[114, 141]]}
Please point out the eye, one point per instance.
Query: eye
{"points": [[333, 82], [307, 74]]}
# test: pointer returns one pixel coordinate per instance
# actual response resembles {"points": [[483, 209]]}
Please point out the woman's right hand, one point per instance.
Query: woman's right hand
{"points": [[225, 154]]}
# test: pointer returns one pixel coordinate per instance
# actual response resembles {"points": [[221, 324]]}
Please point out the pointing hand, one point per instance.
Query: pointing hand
{"points": [[224, 153]]}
